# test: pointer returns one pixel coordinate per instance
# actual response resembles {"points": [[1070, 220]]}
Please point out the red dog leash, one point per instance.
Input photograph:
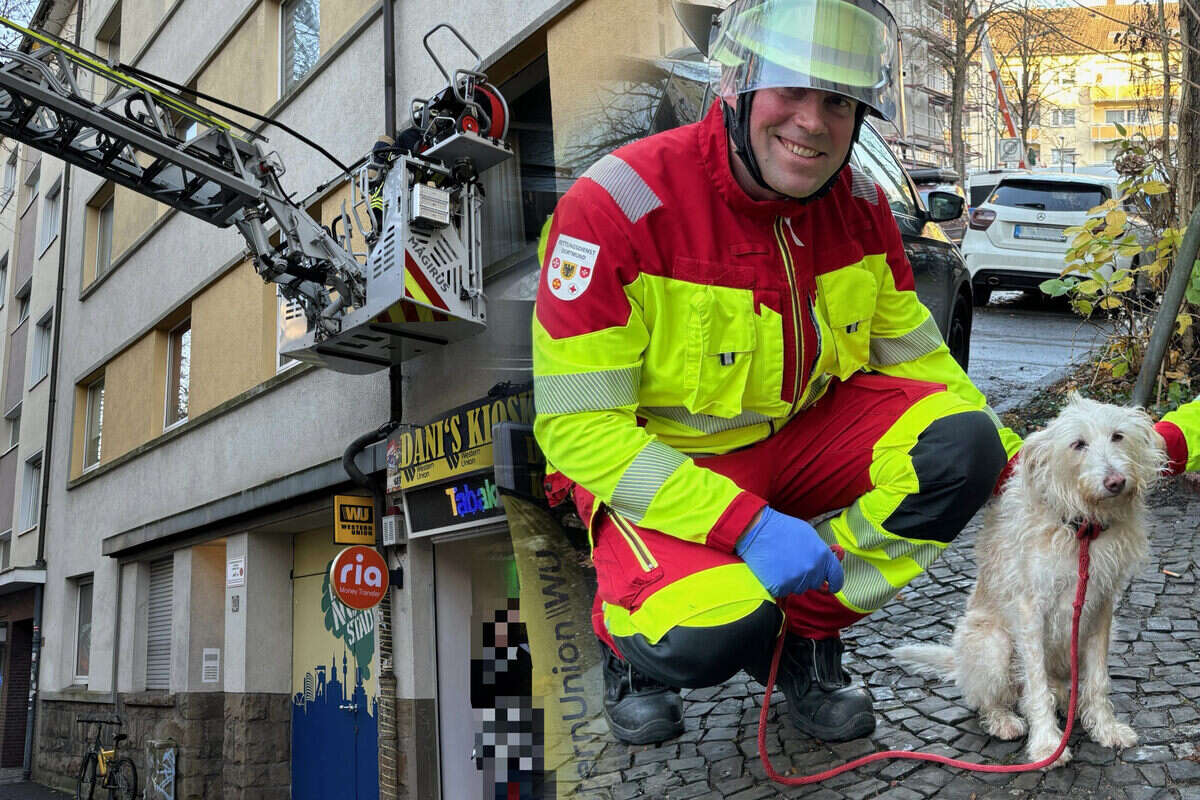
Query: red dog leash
{"points": [[1086, 533]]}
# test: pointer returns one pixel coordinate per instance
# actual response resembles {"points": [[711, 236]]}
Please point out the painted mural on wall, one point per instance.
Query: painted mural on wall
{"points": [[335, 695]]}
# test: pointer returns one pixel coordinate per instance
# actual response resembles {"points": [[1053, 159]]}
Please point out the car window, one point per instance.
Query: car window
{"points": [[1049, 195], [980, 192], [874, 157]]}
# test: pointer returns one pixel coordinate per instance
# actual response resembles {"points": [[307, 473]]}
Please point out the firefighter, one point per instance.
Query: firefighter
{"points": [[727, 343]]}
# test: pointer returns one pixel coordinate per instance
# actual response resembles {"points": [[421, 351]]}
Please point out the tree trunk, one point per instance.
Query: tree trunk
{"points": [[1188, 158], [958, 91]]}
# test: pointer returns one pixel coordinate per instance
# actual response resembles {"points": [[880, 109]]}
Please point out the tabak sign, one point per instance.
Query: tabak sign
{"points": [[457, 443]]}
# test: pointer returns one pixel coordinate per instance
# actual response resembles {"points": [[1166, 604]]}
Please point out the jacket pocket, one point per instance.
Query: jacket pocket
{"points": [[721, 339], [625, 567], [847, 300]]}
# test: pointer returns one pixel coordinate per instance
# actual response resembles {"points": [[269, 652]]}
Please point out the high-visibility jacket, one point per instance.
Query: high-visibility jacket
{"points": [[676, 317], [1180, 430]]}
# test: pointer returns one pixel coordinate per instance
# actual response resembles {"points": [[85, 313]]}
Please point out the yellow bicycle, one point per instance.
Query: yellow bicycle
{"points": [[101, 769]]}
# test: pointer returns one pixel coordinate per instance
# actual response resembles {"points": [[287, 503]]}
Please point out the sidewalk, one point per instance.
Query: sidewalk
{"points": [[1155, 669]]}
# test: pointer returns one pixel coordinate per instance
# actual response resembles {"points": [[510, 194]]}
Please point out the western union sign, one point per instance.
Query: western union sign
{"points": [[354, 520], [457, 443]]}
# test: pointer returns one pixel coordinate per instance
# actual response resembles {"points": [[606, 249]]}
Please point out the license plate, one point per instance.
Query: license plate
{"points": [[1039, 232]]}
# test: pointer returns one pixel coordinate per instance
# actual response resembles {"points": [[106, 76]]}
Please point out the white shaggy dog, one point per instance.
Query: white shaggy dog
{"points": [[1012, 649]]}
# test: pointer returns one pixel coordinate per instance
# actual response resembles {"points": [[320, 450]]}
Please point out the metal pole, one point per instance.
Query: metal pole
{"points": [[1164, 321]]}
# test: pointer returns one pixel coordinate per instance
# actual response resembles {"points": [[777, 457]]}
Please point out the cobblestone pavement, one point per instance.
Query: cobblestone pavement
{"points": [[1155, 669]]}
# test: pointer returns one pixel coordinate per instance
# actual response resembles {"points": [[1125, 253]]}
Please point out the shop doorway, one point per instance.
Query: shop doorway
{"points": [[16, 663], [335, 696]]}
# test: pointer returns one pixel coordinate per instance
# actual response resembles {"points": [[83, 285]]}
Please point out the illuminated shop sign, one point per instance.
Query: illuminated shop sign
{"points": [[465, 501]]}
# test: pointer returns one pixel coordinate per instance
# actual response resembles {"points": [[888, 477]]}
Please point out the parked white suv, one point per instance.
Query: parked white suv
{"points": [[1015, 239]]}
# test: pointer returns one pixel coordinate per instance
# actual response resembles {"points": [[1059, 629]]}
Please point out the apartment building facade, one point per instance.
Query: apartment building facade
{"points": [[1096, 69]]}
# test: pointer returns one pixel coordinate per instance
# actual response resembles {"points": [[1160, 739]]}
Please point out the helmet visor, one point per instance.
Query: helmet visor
{"points": [[851, 47]]}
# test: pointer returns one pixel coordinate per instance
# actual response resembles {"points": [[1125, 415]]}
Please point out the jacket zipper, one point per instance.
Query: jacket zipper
{"points": [[796, 315], [640, 551]]}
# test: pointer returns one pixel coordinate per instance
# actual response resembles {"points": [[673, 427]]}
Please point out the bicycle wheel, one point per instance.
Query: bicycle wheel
{"points": [[122, 780], [85, 785]]}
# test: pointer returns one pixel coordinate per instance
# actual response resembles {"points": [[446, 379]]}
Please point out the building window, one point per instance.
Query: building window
{"points": [[3, 278], [41, 349], [14, 426], [31, 183], [301, 40], [104, 231], [83, 629], [1062, 117], [5, 549], [1127, 116], [48, 230], [291, 325], [10, 177], [179, 368], [23, 301], [108, 45], [94, 426], [31, 492], [158, 624], [1063, 156]]}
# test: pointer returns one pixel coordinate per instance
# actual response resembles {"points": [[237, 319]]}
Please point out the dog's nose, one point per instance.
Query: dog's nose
{"points": [[1114, 483]]}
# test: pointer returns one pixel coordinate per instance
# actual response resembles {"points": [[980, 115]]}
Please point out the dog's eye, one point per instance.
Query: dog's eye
{"points": [[1118, 436], [1079, 444]]}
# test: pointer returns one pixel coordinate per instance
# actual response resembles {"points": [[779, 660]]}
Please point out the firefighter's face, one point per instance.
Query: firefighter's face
{"points": [[800, 138]]}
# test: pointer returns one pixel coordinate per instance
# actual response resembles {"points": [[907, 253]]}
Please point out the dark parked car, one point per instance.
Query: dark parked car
{"points": [[942, 280]]}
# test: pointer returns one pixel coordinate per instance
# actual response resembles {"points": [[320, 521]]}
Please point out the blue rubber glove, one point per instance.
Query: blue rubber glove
{"points": [[787, 555]]}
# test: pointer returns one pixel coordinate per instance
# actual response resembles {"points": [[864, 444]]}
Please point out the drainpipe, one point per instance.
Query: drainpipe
{"points": [[389, 69]]}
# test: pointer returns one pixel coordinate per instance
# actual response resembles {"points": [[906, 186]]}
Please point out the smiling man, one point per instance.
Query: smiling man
{"points": [[727, 343]]}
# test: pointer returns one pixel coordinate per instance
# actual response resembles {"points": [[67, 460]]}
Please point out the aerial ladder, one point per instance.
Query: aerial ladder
{"points": [[396, 274]]}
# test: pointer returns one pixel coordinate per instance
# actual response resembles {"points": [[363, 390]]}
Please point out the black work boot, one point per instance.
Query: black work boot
{"points": [[821, 701], [639, 710]]}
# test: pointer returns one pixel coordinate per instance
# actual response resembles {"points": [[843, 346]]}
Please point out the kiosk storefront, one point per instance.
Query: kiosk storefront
{"points": [[518, 668]]}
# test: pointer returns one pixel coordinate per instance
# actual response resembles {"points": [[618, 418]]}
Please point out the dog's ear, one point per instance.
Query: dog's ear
{"points": [[1035, 456]]}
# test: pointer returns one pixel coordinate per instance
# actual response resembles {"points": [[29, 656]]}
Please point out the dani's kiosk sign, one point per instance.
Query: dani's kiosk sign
{"points": [[445, 468]]}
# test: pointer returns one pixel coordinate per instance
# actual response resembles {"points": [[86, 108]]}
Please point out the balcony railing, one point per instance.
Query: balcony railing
{"points": [[1107, 131]]}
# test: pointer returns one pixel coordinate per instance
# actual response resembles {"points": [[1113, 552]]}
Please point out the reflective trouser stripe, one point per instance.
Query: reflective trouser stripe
{"points": [[711, 597], [878, 562]]}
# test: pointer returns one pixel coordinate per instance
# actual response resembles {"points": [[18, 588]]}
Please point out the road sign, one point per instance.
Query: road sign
{"points": [[358, 577], [1010, 150], [353, 519]]}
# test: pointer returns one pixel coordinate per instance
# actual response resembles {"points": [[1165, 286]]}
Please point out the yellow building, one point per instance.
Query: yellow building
{"points": [[1090, 70]]}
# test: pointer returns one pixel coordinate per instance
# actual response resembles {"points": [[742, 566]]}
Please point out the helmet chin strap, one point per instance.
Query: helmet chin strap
{"points": [[737, 124]]}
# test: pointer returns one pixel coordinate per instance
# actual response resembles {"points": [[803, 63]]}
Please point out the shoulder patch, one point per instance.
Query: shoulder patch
{"points": [[627, 189], [569, 272], [862, 186]]}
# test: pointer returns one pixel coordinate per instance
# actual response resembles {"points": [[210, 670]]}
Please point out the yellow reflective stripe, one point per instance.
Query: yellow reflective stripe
{"points": [[644, 476], [708, 598], [642, 553], [83, 59], [586, 391], [921, 340]]}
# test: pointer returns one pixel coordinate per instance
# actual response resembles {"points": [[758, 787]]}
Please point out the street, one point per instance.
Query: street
{"points": [[1019, 345]]}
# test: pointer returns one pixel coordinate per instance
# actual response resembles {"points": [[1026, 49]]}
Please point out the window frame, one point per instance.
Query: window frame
{"points": [[31, 494], [281, 305], [110, 207], [14, 430], [48, 228], [23, 300], [32, 180], [3, 279], [10, 179], [87, 424], [286, 83], [168, 424], [43, 336], [5, 551], [81, 582]]}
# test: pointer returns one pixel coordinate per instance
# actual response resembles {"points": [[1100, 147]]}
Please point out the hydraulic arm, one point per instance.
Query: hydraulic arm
{"points": [[414, 279]]}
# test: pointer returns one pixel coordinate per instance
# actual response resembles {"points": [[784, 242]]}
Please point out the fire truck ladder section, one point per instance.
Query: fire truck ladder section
{"points": [[219, 172]]}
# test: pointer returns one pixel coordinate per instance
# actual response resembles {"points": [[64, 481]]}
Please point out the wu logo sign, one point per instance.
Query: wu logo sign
{"points": [[354, 520]]}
